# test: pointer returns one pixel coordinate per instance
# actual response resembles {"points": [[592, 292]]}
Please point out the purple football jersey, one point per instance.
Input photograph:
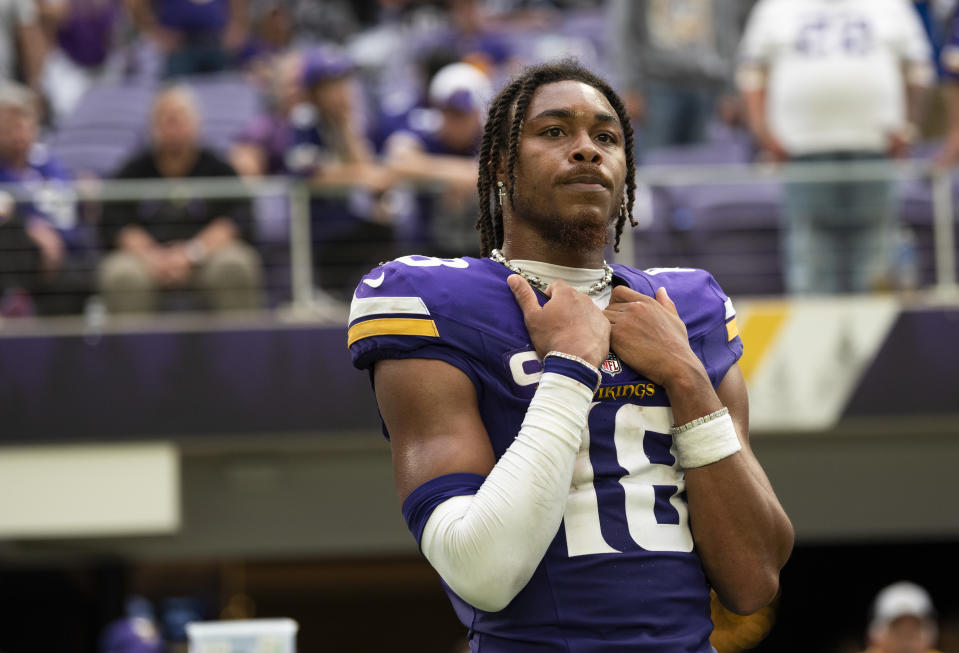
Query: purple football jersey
{"points": [[621, 573]]}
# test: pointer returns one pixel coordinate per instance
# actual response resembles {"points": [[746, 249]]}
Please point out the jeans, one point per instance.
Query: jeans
{"points": [[676, 114], [838, 236]]}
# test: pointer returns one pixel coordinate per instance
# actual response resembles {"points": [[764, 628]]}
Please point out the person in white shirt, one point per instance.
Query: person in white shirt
{"points": [[835, 80]]}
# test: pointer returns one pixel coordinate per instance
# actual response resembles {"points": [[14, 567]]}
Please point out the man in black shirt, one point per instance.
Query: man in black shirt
{"points": [[185, 241]]}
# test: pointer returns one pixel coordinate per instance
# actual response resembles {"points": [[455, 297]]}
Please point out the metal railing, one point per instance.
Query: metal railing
{"points": [[298, 195]]}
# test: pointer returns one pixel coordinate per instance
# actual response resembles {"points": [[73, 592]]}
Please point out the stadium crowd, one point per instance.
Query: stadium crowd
{"points": [[383, 102]]}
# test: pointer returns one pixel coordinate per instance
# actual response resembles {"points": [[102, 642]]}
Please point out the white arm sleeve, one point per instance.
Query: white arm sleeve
{"points": [[486, 546]]}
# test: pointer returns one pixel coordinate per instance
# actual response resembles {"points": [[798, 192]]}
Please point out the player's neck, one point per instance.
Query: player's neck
{"points": [[536, 249]]}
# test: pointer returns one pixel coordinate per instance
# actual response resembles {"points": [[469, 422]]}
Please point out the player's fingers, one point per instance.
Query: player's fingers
{"points": [[554, 287], [616, 309], [663, 298], [524, 295], [622, 294]]}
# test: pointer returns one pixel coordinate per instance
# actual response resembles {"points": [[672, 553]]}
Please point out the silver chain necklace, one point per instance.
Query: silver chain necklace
{"points": [[541, 285]]}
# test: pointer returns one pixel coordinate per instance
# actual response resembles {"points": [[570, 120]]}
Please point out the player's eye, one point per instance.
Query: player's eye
{"points": [[606, 137], [554, 132]]}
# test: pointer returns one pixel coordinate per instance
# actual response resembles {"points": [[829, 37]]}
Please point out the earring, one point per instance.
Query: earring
{"points": [[501, 192]]}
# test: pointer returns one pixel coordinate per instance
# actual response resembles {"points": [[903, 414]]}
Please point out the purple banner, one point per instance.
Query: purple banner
{"points": [[916, 371], [180, 384]]}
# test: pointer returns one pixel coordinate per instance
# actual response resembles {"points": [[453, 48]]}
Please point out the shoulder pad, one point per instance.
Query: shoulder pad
{"points": [[417, 301], [700, 301]]}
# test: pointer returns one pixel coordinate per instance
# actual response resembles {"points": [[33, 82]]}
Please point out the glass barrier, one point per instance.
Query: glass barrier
{"points": [[292, 247]]}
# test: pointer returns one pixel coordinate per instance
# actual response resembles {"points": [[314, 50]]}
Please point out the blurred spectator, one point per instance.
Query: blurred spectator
{"points": [[80, 33], [674, 61], [195, 37], [331, 21], [20, 261], [835, 82], [131, 635], [352, 224], [476, 38], [903, 620], [441, 146], [331, 143], [261, 147], [22, 46], [949, 62], [48, 211], [271, 31], [179, 243]]}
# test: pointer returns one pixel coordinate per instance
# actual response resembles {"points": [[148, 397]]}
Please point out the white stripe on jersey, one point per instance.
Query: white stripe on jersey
{"points": [[730, 311], [655, 271], [368, 306]]}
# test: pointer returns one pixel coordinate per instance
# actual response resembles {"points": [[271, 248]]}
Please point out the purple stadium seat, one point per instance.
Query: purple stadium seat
{"points": [[732, 230], [707, 153], [106, 127], [111, 121], [733, 206], [668, 203], [735, 235], [227, 103]]}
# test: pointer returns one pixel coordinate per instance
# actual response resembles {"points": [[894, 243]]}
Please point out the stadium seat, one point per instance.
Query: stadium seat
{"points": [[107, 126]]}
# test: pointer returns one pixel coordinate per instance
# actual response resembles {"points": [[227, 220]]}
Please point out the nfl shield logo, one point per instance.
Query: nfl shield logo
{"points": [[611, 365]]}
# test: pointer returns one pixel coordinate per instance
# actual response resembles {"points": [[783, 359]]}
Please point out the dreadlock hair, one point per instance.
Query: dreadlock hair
{"points": [[502, 133]]}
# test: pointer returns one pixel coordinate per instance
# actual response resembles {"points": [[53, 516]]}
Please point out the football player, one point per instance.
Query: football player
{"points": [[570, 438]]}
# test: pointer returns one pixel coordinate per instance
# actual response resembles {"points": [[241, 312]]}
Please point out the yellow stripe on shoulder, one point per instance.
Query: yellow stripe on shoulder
{"points": [[392, 326], [732, 330]]}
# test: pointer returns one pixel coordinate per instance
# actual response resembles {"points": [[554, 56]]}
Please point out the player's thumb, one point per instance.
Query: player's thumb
{"points": [[524, 295], [663, 298]]}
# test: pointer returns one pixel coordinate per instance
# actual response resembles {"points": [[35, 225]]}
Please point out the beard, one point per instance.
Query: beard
{"points": [[582, 230], [577, 234]]}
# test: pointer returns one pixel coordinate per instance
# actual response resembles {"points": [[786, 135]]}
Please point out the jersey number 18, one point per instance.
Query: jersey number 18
{"points": [[656, 516]]}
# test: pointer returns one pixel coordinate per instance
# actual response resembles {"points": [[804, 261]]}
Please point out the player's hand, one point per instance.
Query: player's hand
{"points": [[569, 322], [649, 336]]}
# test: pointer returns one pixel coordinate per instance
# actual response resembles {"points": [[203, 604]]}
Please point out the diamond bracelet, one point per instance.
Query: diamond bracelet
{"points": [[676, 430]]}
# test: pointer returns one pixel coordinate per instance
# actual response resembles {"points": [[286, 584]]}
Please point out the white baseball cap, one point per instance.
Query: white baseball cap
{"points": [[900, 600], [460, 86]]}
